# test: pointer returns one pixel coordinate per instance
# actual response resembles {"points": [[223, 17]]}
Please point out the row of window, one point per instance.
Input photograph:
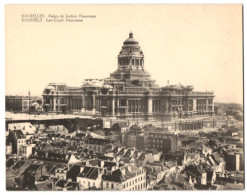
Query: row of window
{"points": [[95, 148], [138, 187], [156, 106], [134, 181], [133, 62], [89, 183]]}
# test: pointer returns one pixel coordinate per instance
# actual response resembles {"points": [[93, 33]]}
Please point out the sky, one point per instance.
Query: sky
{"points": [[199, 45]]}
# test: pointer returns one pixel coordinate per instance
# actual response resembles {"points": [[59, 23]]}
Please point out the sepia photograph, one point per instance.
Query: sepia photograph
{"points": [[124, 97]]}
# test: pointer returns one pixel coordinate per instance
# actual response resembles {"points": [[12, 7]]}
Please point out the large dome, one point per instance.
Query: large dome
{"points": [[131, 40]]}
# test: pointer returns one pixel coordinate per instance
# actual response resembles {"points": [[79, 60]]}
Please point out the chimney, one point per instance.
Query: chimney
{"points": [[114, 168], [123, 171], [69, 180], [168, 82], [81, 169], [102, 163], [129, 168], [99, 172]]}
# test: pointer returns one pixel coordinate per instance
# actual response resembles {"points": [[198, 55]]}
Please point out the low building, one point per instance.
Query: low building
{"points": [[26, 150], [54, 129], [120, 127], [17, 139], [26, 128], [17, 103], [232, 158], [90, 177], [61, 172], [161, 141], [133, 138], [97, 145], [128, 177], [65, 185]]}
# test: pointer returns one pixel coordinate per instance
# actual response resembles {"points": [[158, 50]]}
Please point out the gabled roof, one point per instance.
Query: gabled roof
{"points": [[121, 174], [31, 169], [44, 186], [61, 183], [73, 159], [135, 128], [128, 153], [18, 164], [74, 171], [19, 134], [25, 127], [90, 172], [115, 149], [121, 151], [141, 156]]}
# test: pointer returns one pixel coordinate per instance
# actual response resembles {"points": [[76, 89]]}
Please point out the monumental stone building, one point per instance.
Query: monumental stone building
{"points": [[129, 92]]}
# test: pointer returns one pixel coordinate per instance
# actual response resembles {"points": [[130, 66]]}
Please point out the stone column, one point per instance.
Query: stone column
{"points": [[94, 102], [194, 105], [166, 106], [54, 103], [113, 106], [58, 104], [118, 106], [83, 103], [212, 104], [206, 104], [150, 106]]}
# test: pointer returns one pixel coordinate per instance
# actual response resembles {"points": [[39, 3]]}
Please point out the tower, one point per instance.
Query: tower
{"points": [[130, 71], [131, 55]]}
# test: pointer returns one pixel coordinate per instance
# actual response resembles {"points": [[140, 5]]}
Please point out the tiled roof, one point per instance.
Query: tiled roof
{"points": [[127, 153], [31, 168], [73, 172], [121, 151], [61, 183], [135, 128], [115, 149], [44, 186], [141, 156], [18, 164], [19, 134], [90, 172], [71, 185]]}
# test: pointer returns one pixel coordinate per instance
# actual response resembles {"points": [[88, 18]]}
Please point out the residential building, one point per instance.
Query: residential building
{"points": [[128, 177], [90, 177]]}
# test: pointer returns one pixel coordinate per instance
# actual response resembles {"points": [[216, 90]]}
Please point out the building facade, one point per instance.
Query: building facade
{"points": [[128, 178], [129, 92], [17, 103]]}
